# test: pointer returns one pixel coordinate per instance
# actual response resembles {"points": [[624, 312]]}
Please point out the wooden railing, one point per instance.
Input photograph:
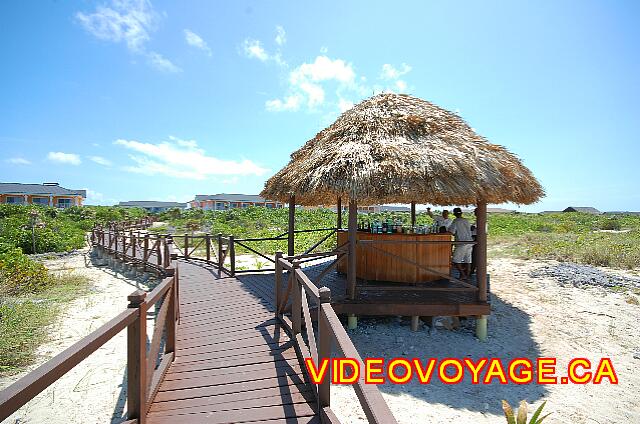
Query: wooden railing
{"points": [[220, 250], [300, 291], [141, 223], [145, 367]]}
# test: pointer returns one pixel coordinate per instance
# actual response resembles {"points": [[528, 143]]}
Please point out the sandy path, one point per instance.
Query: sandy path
{"points": [[532, 317], [92, 391]]}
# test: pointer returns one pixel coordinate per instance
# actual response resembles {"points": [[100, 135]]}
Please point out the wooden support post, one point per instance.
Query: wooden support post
{"points": [[324, 347], [145, 252], [292, 225], [232, 256], [159, 251], [481, 250], [296, 303], [220, 261], [167, 252], [481, 263], [186, 246], [339, 209], [137, 359], [134, 244], [415, 323], [207, 240], [170, 344], [351, 267], [278, 283], [413, 213]]}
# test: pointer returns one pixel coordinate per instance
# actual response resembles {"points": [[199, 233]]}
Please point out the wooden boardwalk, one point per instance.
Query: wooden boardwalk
{"points": [[218, 351], [233, 363]]}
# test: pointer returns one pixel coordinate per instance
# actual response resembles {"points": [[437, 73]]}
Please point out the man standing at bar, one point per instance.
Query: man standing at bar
{"points": [[461, 229], [442, 221]]}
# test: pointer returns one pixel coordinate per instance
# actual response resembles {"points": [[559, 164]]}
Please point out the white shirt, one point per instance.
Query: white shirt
{"points": [[461, 229], [442, 222]]}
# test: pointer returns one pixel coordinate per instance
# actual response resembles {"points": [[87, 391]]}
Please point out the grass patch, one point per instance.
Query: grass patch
{"points": [[24, 319]]}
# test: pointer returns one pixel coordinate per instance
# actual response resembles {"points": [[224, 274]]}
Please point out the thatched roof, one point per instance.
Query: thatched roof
{"points": [[394, 148]]}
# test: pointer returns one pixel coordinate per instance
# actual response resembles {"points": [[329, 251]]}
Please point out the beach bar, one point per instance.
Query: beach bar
{"points": [[389, 149]]}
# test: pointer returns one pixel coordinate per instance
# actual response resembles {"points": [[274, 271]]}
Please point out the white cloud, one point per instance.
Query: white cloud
{"points": [[389, 72], [254, 49], [94, 196], [323, 69], [18, 161], [306, 83], [281, 36], [290, 103], [60, 157], [100, 160], [196, 41], [183, 159], [161, 63], [130, 22], [401, 85]]}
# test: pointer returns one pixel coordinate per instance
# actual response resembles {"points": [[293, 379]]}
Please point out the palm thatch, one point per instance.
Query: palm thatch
{"points": [[394, 148]]}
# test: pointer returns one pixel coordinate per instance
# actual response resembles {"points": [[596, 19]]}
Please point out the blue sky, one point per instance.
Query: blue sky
{"points": [[163, 100]]}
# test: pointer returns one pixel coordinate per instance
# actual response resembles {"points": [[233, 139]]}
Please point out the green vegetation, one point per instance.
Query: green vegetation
{"points": [[521, 417], [52, 230], [599, 240], [30, 296], [591, 239], [25, 316]]}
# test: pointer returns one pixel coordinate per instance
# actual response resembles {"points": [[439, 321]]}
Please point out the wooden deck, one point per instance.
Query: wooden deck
{"points": [[379, 298], [233, 364]]}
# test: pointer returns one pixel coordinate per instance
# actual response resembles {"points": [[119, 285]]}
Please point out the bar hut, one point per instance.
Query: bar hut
{"points": [[395, 148]]}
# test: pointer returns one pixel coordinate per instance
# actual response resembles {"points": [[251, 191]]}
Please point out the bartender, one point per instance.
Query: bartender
{"points": [[442, 221]]}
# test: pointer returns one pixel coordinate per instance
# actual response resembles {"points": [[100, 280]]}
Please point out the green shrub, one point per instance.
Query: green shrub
{"points": [[610, 224], [19, 274]]}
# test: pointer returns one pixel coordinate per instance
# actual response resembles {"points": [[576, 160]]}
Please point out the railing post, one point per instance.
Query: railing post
{"points": [[134, 245], [145, 252], [296, 301], [220, 258], [137, 359], [324, 347], [159, 251], [292, 226], [167, 252], [170, 345], [278, 284], [186, 246], [232, 255], [207, 241]]}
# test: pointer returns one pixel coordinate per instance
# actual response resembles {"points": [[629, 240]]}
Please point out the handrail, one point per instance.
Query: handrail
{"points": [[29, 386], [300, 288], [144, 373]]}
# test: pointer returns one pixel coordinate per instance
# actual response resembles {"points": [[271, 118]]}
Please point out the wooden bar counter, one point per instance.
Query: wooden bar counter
{"points": [[374, 265]]}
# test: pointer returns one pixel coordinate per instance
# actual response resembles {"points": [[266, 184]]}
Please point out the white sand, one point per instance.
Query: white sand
{"points": [[530, 318], [91, 392]]}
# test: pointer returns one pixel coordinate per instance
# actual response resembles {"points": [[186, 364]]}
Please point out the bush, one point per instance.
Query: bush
{"points": [[610, 224], [19, 274]]}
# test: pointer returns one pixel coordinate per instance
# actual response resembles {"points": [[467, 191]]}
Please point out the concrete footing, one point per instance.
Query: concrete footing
{"points": [[481, 328], [352, 322], [415, 323]]}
